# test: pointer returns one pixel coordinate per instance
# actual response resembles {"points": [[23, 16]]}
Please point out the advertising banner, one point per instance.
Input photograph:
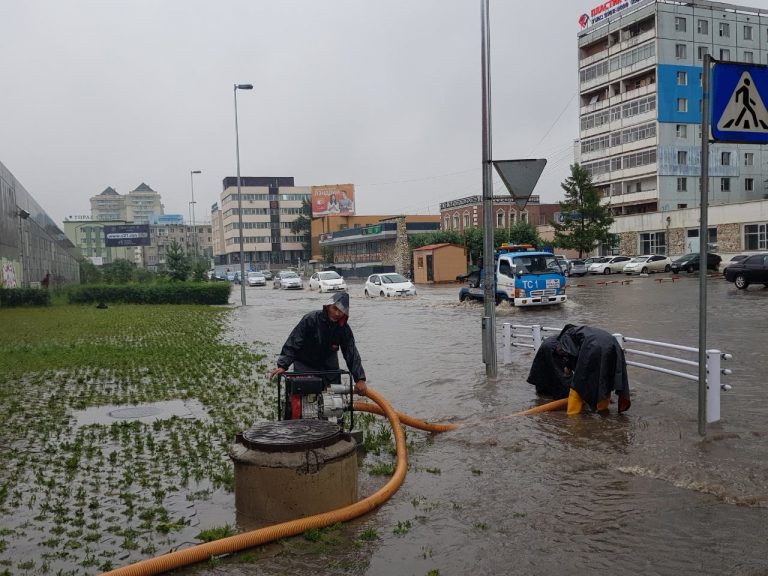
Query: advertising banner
{"points": [[338, 199], [126, 235]]}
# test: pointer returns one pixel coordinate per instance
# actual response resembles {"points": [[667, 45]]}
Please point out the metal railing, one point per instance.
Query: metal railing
{"points": [[531, 336]]}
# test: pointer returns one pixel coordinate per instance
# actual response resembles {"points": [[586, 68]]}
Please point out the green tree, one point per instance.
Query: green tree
{"points": [[585, 220], [89, 272], [177, 262], [303, 225], [327, 254], [524, 233], [120, 271], [199, 270]]}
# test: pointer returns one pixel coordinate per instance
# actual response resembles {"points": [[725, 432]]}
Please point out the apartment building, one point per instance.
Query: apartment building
{"points": [[138, 206], [640, 89]]}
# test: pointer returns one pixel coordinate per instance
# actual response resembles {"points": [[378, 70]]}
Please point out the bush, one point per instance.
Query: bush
{"points": [[13, 297], [171, 293]]}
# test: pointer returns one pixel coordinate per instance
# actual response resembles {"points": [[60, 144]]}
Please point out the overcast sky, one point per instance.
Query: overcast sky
{"points": [[383, 94]]}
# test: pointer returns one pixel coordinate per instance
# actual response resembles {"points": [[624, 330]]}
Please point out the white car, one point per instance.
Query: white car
{"points": [[609, 264], [328, 281], [256, 279], [647, 264], [389, 284], [287, 279]]}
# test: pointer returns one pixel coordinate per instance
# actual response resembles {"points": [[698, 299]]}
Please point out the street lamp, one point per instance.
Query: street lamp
{"points": [[239, 195], [23, 215], [192, 204]]}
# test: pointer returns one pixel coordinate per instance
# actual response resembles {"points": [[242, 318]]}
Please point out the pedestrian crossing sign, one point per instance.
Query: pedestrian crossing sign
{"points": [[740, 103]]}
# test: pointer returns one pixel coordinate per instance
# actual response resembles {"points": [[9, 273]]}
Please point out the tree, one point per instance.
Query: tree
{"points": [[119, 272], [303, 227], [177, 262], [89, 272], [585, 220]]}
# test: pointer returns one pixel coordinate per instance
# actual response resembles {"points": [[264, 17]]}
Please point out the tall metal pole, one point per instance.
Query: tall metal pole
{"points": [[489, 282], [703, 245], [194, 227], [240, 199]]}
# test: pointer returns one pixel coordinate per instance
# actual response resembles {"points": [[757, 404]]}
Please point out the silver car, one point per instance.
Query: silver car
{"points": [[648, 264], [577, 268], [287, 279]]}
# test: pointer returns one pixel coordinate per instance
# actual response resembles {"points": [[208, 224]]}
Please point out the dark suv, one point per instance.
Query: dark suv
{"points": [[690, 262]]}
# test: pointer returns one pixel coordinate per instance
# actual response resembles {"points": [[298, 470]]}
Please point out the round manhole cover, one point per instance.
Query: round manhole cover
{"points": [[135, 412], [290, 435]]}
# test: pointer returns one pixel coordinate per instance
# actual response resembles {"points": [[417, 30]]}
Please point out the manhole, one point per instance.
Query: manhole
{"points": [[288, 435]]}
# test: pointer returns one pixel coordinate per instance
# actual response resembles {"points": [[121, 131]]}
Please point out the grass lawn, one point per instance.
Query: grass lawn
{"points": [[82, 499]]}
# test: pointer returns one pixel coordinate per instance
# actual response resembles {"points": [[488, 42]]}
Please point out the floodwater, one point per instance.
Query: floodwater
{"points": [[640, 493]]}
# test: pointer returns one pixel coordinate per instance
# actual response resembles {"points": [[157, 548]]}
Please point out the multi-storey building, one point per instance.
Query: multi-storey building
{"points": [[640, 69], [269, 208], [137, 206], [88, 235], [195, 240], [467, 212]]}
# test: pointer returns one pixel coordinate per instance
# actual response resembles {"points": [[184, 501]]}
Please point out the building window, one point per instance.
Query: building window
{"points": [[680, 24], [682, 157], [681, 206], [523, 216], [682, 105], [725, 30], [653, 243], [703, 27], [446, 223], [455, 221], [725, 184], [499, 219], [680, 51], [749, 56], [466, 221], [682, 78], [749, 158], [755, 237], [681, 130], [749, 184], [725, 158], [682, 184], [747, 32], [725, 54], [702, 51]]}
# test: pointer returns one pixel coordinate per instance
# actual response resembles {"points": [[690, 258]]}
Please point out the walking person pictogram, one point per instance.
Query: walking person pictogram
{"points": [[743, 95]]}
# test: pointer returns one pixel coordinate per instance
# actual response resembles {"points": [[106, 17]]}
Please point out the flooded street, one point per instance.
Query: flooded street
{"points": [[636, 493]]}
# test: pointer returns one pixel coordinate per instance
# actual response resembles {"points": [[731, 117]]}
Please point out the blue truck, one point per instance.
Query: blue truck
{"points": [[524, 276]]}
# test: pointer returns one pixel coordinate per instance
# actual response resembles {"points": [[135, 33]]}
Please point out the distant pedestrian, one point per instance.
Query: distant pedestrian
{"points": [[45, 282]]}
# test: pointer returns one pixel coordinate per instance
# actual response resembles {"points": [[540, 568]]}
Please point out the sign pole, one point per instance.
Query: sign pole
{"points": [[703, 245], [489, 281]]}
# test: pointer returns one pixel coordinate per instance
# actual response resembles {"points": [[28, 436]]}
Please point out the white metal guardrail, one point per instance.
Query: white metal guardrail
{"points": [[530, 336]]}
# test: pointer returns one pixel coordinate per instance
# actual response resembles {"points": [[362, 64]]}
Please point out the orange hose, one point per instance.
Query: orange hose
{"points": [[548, 407], [203, 552], [405, 419]]}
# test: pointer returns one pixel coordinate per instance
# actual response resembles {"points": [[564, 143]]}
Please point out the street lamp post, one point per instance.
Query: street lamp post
{"points": [[192, 205], [239, 195], [23, 215]]}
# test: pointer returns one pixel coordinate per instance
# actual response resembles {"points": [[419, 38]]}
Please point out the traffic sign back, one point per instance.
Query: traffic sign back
{"points": [[739, 97]]}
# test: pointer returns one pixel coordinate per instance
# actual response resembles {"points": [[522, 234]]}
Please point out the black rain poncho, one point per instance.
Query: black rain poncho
{"points": [[595, 358], [314, 343]]}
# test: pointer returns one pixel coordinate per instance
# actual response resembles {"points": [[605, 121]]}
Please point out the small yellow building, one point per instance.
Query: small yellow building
{"points": [[437, 263]]}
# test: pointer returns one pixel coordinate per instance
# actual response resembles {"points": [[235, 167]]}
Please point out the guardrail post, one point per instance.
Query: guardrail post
{"points": [[620, 340], [536, 329], [713, 386], [507, 340]]}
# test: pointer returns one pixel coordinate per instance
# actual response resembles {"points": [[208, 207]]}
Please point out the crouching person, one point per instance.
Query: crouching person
{"points": [[587, 362]]}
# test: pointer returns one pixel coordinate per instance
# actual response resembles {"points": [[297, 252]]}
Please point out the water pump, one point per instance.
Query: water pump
{"points": [[308, 395]]}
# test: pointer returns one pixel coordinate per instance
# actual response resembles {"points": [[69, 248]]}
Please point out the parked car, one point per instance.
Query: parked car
{"points": [[690, 262], [648, 264], [329, 281], [725, 263], [577, 268], [390, 284], [609, 265], [267, 274], [565, 264], [287, 279], [256, 279], [751, 270]]}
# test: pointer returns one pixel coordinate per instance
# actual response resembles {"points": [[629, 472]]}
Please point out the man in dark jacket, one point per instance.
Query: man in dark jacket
{"points": [[314, 343], [590, 361]]}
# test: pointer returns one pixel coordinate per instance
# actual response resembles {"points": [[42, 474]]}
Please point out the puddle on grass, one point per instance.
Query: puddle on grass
{"points": [[144, 413]]}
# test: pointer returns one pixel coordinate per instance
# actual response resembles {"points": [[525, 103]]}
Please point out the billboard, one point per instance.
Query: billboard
{"points": [[126, 235], [336, 199]]}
